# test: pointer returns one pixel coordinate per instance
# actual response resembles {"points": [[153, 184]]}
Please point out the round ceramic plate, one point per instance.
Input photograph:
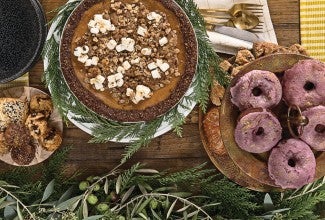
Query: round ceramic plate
{"points": [[54, 121], [255, 165], [185, 108], [220, 157], [22, 35], [148, 109]]}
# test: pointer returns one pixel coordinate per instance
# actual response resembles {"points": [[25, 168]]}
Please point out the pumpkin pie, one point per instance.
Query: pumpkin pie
{"points": [[128, 60]]}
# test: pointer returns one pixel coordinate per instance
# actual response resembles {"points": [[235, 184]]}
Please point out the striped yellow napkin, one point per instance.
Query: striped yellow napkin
{"points": [[312, 27], [21, 81]]}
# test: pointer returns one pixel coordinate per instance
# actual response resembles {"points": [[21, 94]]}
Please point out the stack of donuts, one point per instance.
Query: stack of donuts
{"points": [[291, 161]]}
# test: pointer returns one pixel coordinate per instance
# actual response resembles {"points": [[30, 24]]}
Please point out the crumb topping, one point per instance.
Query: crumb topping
{"points": [[128, 52]]}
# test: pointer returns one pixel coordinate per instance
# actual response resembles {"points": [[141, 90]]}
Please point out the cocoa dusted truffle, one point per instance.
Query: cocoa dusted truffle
{"points": [[23, 155], [17, 135]]}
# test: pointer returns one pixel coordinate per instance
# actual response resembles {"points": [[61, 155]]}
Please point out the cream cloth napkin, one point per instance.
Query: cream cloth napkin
{"points": [[312, 27], [21, 81], [268, 33]]}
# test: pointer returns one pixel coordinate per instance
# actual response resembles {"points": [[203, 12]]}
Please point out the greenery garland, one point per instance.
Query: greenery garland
{"points": [[142, 193], [105, 130], [139, 192]]}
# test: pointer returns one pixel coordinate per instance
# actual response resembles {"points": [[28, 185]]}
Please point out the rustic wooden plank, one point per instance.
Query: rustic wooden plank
{"points": [[167, 151]]}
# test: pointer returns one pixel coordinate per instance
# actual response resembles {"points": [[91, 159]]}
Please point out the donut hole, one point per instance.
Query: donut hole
{"points": [[292, 162], [309, 86], [320, 128], [259, 131], [257, 91]]}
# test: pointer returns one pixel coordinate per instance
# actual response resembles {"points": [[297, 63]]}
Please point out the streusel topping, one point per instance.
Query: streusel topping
{"points": [[128, 52]]}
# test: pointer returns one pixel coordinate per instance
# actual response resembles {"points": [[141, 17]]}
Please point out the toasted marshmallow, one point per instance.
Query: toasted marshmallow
{"points": [[111, 44], [155, 74], [83, 58], [126, 44], [163, 41], [152, 66], [115, 80], [126, 65], [98, 82], [146, 51], [154, 16], [142, 31], [99, 24], [135, 61], [164, 67]]}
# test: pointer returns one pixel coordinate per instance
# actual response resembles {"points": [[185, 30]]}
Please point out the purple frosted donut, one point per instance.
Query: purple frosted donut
{"points": [[255, 89], [304, 84], [292, 164], [314, 132], [257, 131]]}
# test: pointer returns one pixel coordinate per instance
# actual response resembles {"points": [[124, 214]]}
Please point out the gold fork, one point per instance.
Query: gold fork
{"points": [[237, 10], [253, 8]]}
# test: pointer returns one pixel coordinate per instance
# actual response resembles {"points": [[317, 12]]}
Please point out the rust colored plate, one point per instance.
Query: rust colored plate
{"points": [[255, 165], [212, 142]]}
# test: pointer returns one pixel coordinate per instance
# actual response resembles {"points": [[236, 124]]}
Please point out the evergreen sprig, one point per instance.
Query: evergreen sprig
{"points": [[104, 130], [142, 193]]}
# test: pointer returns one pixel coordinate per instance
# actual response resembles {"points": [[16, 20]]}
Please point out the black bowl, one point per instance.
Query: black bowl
{"points": [[22, 36]]}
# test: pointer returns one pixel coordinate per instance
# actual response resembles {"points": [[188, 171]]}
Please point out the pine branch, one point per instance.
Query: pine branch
{"points": [[146, 134], [236, 201], [303, 207], [186, 176]]}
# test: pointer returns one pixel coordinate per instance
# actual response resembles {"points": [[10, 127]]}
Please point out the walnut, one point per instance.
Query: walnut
{"points": [[93, 72], [225, 65], [243, 57]]}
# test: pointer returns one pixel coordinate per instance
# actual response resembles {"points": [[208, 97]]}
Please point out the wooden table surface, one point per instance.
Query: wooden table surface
{"points": [[167, 151]]}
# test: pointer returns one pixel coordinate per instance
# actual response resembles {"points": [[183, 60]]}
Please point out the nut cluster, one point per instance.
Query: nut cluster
{"points": [[128, 51]]}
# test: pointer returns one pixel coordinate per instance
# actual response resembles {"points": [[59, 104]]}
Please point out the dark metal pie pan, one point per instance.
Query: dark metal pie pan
{"points": [[22, 36]]}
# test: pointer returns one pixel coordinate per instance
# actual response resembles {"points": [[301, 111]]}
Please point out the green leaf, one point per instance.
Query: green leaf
{"points": [[118, 184], [85, 209], [268, 203], [3, 183], [142, 189], [9, 212], [194, 214], [171, 209], [143, 205], [66, 195], [7, 203], [94, 217], [106, 186], [20, 215], [181, 194], [69, 204], [154, 213], [143, 216], [48, 191], [183, 209], [146, 171], [127, 194]]}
